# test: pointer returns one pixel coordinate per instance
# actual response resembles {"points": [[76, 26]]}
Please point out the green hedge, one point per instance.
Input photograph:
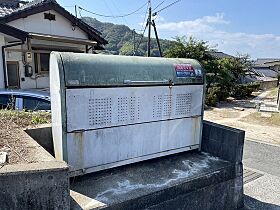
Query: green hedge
{"points": [[216, 94], [242, 91]]}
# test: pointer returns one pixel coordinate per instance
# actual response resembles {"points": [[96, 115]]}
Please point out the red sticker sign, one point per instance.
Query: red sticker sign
{"points": [[184, 70]]}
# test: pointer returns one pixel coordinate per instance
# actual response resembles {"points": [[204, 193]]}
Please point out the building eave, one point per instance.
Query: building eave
{"points": [[52, 5], [14, 32]]}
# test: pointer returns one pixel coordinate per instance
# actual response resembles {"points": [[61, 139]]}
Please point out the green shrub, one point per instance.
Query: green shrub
{"points": [[242, 91], [211, 98], [216, 94], [222, 93], [38, 120]]}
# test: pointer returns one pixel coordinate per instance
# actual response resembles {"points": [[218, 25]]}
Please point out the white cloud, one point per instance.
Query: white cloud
{"points": [[207, 28]]}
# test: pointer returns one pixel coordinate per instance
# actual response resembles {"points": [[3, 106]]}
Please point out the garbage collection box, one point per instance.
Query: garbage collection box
{"points": [[112, 110]]}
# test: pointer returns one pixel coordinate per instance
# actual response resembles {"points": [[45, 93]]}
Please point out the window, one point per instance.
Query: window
{"points": [[41, 62], [34, 104], [49, 16]]}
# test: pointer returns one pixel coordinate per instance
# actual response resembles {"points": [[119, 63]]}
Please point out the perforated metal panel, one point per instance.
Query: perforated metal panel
{"points": [[183, 103], [99, 111], [107, 107]]}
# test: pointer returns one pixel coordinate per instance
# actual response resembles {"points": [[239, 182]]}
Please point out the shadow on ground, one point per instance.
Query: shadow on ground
{"points": [[254, 204]]}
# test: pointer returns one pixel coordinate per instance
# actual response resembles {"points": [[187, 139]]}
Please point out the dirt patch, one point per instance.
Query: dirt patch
{"points": [[257, 126], [12, 139], [222, 113], [269, 119], [273, 94]]}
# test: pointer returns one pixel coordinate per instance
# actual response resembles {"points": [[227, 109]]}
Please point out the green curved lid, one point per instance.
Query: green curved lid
{"points": [[114, 70]]}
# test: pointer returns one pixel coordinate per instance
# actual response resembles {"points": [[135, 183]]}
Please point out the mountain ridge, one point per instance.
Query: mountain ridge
{"points": [[120, 39]]}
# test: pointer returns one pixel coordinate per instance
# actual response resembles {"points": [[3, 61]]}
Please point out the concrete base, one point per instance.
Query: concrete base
{"points": [[191, 180]]}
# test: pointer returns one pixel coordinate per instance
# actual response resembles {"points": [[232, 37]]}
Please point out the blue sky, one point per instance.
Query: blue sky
{"points": [[236, 26]]}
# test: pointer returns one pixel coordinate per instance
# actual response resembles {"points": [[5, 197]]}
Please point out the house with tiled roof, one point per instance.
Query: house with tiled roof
{"points": [[266, 67], [29, 31], [220, 55]]}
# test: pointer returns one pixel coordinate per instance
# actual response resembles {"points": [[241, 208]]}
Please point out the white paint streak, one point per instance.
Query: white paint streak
{"points": [[190, 168]]}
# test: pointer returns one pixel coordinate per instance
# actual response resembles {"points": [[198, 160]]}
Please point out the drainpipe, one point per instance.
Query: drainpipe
{"points": [[4, 59]]}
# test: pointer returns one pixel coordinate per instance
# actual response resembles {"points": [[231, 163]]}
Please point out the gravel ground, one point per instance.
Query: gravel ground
{"points": [[12, 138]]}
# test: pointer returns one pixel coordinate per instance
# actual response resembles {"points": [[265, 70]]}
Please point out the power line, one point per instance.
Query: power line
{"points": [[107, 6], [159, 5], [114, 16], [116, 6], [144, 21], [169, 5], [141, 38]]}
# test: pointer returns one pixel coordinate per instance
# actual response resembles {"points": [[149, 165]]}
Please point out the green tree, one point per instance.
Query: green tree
{"points": [[200, 50], [126, 49], [237, 67]]}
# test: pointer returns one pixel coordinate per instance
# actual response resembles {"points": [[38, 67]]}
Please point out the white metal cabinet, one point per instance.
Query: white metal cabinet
{"points": [[104, 117]]}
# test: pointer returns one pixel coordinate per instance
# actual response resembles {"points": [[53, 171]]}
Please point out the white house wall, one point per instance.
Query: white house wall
{"points": [[40, 81], [37, 24]]}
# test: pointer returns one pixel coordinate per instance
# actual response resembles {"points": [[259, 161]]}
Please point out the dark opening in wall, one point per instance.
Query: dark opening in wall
{"points": [[49, 16]]}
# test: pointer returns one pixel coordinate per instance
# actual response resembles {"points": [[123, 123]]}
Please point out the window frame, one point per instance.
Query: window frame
{"points": [[37, 63]]}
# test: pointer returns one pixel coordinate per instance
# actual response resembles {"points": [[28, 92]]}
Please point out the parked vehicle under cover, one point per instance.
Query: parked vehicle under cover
{"points": [[31, 100]]}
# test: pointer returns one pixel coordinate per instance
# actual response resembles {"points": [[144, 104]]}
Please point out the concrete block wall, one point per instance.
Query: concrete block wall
{"points": [[35, 186], [226, 143], [223, 141]]}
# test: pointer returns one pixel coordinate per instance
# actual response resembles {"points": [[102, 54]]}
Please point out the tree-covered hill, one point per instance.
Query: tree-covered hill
{"points": [[120, 38]]}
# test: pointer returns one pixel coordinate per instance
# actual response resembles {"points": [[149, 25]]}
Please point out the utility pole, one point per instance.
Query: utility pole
{"points": [[149, 29], [155, 29], [133, 34], [76, 15]]}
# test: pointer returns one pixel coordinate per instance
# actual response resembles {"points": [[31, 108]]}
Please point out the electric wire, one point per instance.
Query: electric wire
{"points": [[141, 38], [144, 26], [118, 9], [109, 9], [159, 5], [169, 5], [144, 21], [114, 16]]}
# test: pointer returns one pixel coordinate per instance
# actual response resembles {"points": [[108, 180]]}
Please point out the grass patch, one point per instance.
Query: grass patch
{"points": [[273, 93], [257, 118], [23, 118]]}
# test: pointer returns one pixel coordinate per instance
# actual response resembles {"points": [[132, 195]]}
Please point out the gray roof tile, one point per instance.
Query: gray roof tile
{"points": [[5, 10], [221, 55], [263, 62]]}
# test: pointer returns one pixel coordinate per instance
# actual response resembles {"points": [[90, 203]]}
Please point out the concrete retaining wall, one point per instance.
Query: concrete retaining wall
{"points": [[223, 141], [226, 143], [43, 135], [38, 182], [34, 186]]}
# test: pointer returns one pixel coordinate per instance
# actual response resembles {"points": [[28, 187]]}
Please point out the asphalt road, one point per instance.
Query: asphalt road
{"points": [[262, 157], [264, 192]]}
